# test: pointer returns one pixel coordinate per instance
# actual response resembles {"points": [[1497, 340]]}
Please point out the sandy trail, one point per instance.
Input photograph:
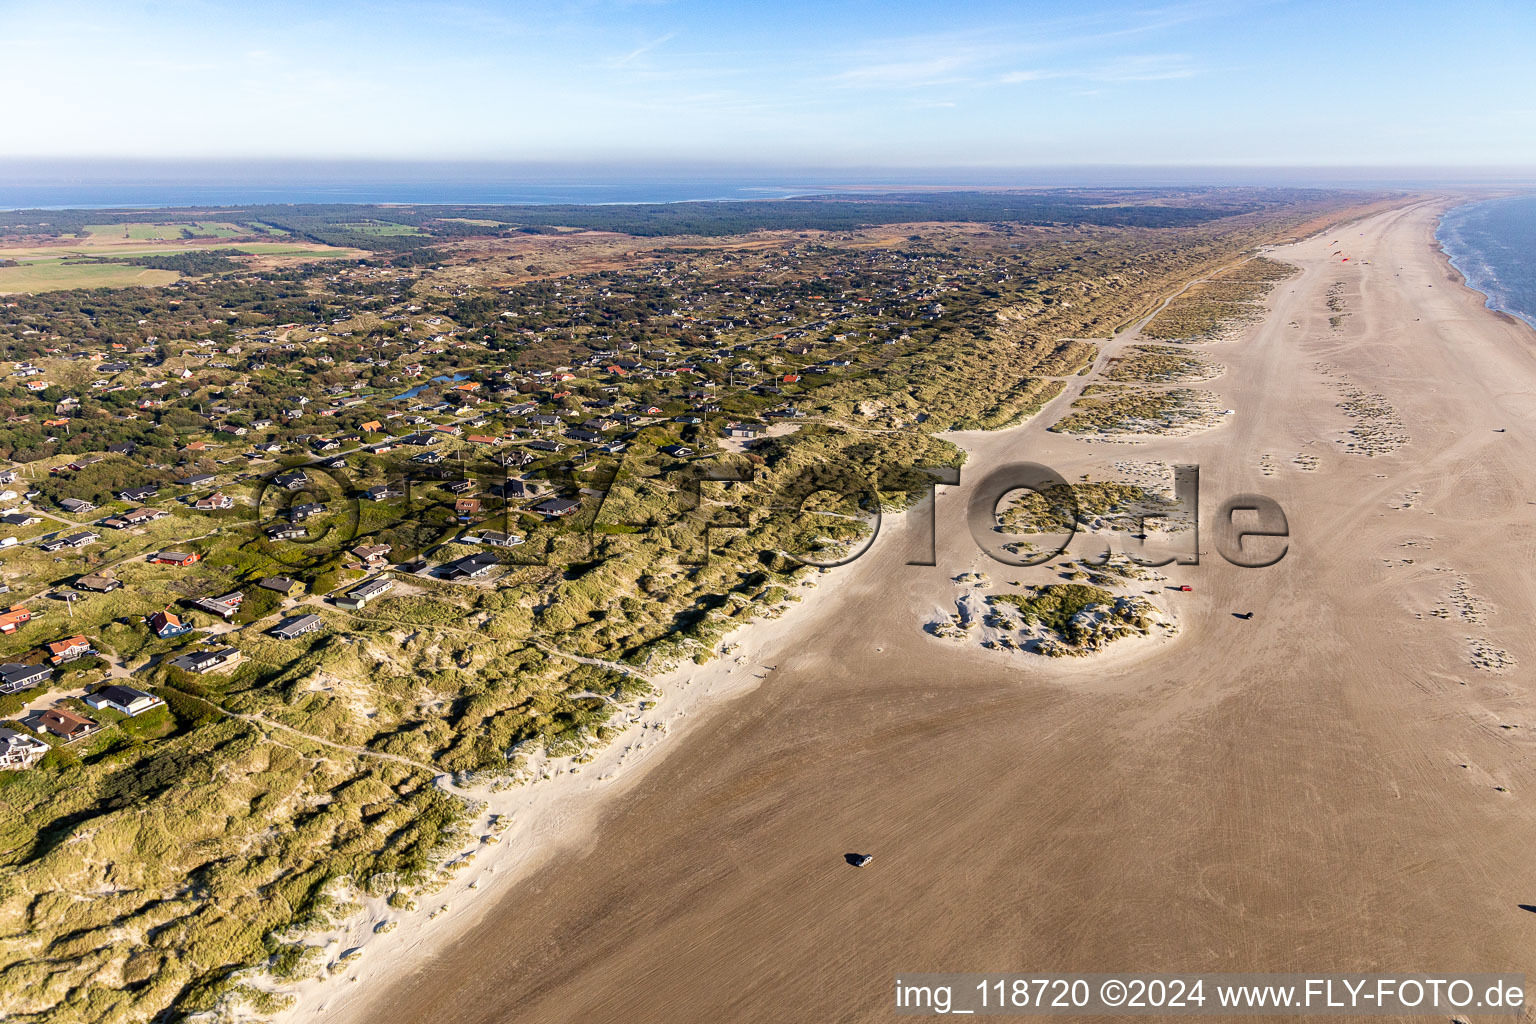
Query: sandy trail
{"points": [[1286, 793]]}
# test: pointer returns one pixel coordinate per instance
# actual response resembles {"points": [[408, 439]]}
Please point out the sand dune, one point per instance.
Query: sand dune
{"points": [[1329, 786]]}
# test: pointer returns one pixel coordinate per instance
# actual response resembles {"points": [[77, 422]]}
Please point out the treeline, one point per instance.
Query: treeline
{"points": [[192, 262]]}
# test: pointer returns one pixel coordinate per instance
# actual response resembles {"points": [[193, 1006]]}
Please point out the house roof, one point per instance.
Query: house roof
{"points": [[124, 695], [373, 588], [60, 646], [295, 626], [12, 671], [10, 739], [65, 717]]}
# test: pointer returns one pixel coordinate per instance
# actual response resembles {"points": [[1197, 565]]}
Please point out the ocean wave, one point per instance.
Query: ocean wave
{"points": [[1493, 245]]}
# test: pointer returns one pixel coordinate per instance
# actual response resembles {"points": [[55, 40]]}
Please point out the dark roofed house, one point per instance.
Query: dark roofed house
{"points": [[124, 699], [358, 597], [197, 480], [291, 481], [287, 531], [74, 540], [135, 517], [103, 582], [224, 607], [471, 567], [554, 508], [206, 661], [181, 558], [373, 555], [76, 506], [495, 539], [15, 677], [297, 626], [137, 494], [18, 750], [283, 585]]}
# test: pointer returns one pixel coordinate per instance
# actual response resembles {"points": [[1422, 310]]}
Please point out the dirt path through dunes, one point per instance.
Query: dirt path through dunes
{"points": [[1326, 787]]}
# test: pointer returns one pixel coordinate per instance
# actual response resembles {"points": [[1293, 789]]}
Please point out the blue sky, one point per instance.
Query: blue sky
{"points": [[898, 84]]}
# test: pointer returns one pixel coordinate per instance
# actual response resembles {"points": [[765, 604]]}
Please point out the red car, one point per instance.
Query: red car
{"points": [[1186, 589]]}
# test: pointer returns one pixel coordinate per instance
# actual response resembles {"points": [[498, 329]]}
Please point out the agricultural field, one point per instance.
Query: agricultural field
{"points": [[381, 228], [171, 231], [54, 275]]}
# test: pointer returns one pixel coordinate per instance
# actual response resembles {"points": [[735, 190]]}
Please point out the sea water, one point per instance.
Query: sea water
{"points": [[1493, 244]]}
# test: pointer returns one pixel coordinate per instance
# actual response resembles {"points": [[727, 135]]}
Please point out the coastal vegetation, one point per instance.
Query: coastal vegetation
{"points": [[1088, 504], [1160, 364], [1114, 409], [719, 409], [1215, 308], [1071, 619]]}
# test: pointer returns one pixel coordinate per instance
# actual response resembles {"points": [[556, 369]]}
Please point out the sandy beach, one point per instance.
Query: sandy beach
{"points": [[1338, 784]]}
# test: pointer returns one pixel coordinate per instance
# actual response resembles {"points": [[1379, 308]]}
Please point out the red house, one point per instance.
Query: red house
{"points": [[10, 620]]}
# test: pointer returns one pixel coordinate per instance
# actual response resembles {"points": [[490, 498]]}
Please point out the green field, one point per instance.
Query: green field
{"points": [[379, 227], [53, 276], [40, 256], [150, 232]]}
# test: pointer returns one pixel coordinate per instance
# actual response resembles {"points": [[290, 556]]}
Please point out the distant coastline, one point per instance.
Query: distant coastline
{"points": [[171, 195], [1492, 245], [100, 184]]}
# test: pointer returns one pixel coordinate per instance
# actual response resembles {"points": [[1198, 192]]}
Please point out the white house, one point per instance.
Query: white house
{"points": [[124, 699]]}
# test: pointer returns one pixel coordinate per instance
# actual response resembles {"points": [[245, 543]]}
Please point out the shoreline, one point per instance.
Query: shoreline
{"points": [[1460, 276], [559, 811], [551, 813]]}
